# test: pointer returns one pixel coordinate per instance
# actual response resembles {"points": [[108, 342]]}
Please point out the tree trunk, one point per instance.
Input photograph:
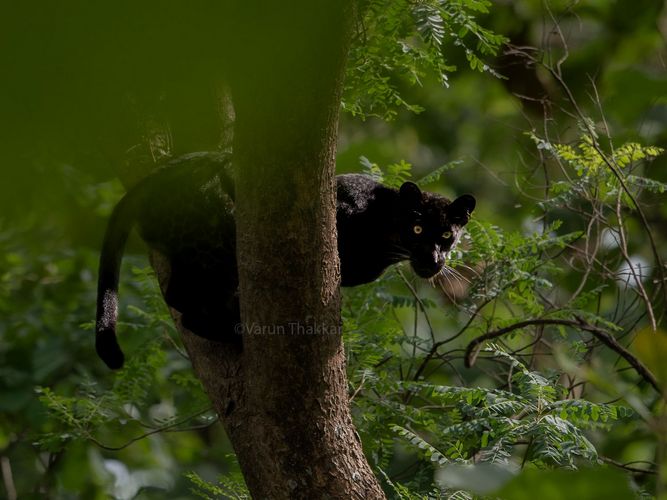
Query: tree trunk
{"points": [[284, 399]]}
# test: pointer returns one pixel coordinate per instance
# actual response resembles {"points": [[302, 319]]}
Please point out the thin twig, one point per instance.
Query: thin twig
{"points": [[166, 428], [627, 467], [603, 336], [556, 73], [419, 301], [358, 389], [624, 251]]}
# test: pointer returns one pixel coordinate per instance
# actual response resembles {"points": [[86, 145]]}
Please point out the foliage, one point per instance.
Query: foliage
{"points": [[231, 486], [403, 42], [44, 341], [510, 374], [530, 419]]}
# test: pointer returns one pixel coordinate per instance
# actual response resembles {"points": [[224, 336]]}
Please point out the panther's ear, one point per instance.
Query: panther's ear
{"points": [[410, 194], [460, 209]]}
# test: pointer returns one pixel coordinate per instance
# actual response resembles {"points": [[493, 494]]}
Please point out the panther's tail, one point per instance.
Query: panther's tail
{"points": [[118, 229], [200, 167]]}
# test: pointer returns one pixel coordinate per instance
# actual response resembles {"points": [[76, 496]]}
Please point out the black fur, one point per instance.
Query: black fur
{"points": [[376, 227], [188, 215]]}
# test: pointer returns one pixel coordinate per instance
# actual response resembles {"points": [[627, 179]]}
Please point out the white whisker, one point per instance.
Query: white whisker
{"points": [[472, 270], [444, 289], [451, 272]]}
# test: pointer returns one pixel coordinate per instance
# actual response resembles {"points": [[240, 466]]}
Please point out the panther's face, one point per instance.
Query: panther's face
{"points": [[431, 227]]}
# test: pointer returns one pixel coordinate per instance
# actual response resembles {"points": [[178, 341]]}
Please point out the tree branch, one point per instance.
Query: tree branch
{"points": [[603, 336]]}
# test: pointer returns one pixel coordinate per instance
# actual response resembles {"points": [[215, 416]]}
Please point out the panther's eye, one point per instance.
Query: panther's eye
{"points": [[417, 229], [447, 234]]}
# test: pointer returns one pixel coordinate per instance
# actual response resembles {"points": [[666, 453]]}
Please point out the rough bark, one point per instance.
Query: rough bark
{"points": [[293, 432], [283, 399]]}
